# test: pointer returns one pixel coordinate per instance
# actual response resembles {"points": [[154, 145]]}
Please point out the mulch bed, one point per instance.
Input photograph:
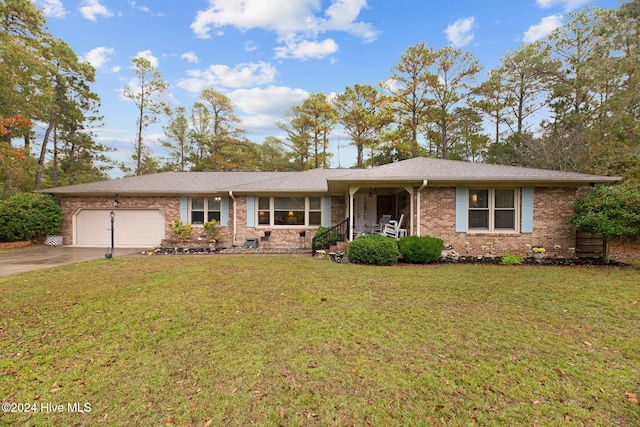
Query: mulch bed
{"points": [[547, 261]]}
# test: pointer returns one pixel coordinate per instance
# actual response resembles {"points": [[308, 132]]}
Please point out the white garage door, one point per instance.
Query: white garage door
{"points": [[139, 228]]}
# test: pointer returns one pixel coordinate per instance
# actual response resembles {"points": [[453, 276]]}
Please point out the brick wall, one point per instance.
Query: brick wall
{"points": [[169, 206], [552, 209]]}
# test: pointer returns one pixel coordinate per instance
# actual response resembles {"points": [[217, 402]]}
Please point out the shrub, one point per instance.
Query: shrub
{"points": [[28, 216], [212, 228], [181, 230], [420, 250], [373, 250], [321, 241], [510, 259]]}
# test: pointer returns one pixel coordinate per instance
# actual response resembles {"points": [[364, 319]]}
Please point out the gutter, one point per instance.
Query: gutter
{"points": [[422, 187], [235, 220]]}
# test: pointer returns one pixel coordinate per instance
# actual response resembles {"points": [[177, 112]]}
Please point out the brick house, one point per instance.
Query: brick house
{"points": [[471, 206]]}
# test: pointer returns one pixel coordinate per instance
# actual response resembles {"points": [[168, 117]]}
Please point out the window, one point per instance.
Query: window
{"points": [[204, 209], [264, 211], [492, 209], [289, 211]]}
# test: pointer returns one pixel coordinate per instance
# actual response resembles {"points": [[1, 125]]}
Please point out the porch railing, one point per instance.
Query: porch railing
{"points": [[330, 236]]}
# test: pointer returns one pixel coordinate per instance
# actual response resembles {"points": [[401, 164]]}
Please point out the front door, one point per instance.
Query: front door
{"points": [[365, 213]]}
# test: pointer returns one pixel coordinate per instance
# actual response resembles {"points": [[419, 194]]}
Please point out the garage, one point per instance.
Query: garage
{"points": [[140, 228]]}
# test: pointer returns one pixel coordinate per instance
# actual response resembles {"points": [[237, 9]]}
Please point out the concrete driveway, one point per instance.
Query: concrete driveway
{"points": [[31, 259]]}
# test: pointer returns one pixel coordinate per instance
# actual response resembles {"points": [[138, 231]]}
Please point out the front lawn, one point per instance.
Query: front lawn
{"points": [[289, 340]]}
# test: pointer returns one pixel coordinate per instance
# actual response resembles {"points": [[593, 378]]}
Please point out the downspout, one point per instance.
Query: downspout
{"points": [[235, 223], [422, 187]]}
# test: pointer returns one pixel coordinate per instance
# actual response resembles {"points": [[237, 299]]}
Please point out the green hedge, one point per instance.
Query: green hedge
{"points": [[28, 216], [420, 250], [373, 250]]}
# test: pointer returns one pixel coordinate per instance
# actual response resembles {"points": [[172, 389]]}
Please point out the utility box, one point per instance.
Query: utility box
{"points": [[251, 242]]}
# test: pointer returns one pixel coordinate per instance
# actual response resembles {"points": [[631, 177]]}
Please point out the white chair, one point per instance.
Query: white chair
{"points": [[384, 220], [393, 229]]}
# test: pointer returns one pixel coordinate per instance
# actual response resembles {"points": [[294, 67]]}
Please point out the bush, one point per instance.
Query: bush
{"points": [[609, 210], [181, 230], [510, 259], [321, 241], [373, 250], [29, 216], [420, 250], [212, 228]]}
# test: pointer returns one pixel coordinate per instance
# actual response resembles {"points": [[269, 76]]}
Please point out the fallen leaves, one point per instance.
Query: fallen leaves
{"points": [[631, 397]]}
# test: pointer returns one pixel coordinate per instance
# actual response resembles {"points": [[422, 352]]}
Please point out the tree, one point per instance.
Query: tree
{"points": [[272, 155], [492, 101], [308, 131], [23, 40], [17, 168], [222, 121], [298, 129], [409, 87], [361, 110], [322, 117], [610, 211], [145, 93], [179, 146], [456, 73], [579, 48], [69, 78]]}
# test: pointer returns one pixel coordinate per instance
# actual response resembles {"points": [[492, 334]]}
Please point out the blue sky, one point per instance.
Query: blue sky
{"points": [[268, 55]]}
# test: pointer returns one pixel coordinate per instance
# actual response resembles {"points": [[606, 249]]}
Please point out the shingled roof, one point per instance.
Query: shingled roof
{"points": [[417, 170]]}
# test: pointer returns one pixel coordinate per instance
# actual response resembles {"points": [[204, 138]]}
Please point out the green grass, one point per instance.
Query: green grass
{"points": [[290, 341]]}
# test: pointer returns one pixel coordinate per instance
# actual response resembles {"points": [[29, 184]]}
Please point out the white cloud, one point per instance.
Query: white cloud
{"points": [[542, 29], [269, 101], [460, 33], [115, 69], [263, 108], [223, 76], [52, 8], [99, 56], [191, 57], [300, 20], [91, 9], [565, 4], [307, 49], [146, 54]]}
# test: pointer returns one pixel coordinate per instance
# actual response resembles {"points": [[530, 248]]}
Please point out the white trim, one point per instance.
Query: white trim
{"points": [[307, 209], [491, 208]]}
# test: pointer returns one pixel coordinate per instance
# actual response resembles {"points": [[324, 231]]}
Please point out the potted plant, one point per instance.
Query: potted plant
{"points": [[302, 232], [538, 253]]}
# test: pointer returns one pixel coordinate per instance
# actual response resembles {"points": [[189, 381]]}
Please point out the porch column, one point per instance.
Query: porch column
{"points": [[411, 209], [419, 207], [352, 191]]}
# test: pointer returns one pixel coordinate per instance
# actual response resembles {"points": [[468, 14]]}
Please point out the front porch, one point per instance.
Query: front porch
{"points": [[368, 206]]}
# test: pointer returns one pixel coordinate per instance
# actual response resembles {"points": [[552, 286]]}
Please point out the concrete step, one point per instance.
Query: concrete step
{"points": [[339, 247]]}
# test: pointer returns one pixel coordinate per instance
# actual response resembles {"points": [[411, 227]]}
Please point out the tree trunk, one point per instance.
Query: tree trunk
{"points": [[54, 178], [43, 150]]}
